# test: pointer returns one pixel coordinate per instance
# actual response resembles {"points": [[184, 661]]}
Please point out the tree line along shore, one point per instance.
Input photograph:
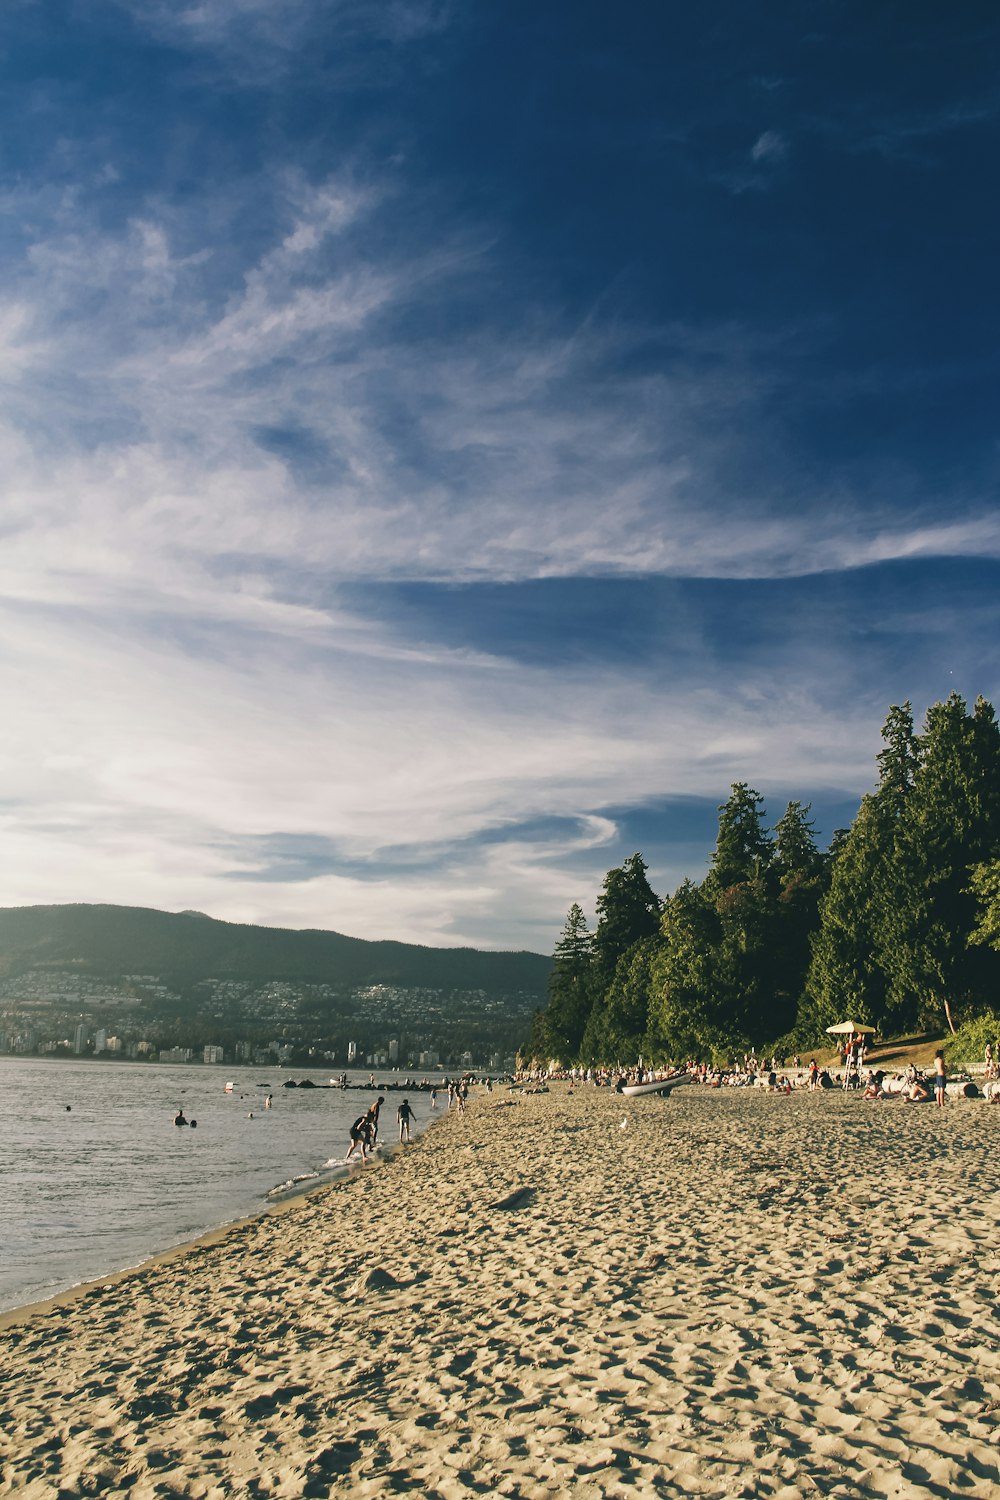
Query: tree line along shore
{"points": [[896, 925]]}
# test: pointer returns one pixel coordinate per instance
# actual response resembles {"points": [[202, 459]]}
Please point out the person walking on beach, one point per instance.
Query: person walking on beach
{"points": [[813, 1073], [404, 1115], [434, 1098], [940, 1080]]}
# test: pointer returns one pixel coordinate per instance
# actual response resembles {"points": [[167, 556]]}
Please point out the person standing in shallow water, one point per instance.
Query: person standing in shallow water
{"points": [[404, 1115], [360, 1136]]}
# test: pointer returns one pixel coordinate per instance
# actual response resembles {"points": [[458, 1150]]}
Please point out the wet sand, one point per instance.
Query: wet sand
{"points": [[736, 1294]]}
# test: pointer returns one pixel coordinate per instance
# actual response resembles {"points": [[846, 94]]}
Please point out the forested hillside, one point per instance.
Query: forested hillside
{"points": [[188, 946], [897, 924]]}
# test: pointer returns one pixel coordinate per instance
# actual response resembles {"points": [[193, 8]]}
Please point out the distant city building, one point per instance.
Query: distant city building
{"points": [[100, 1040], [352, 1051], [429, 1059], [175, 1054], [213, 1054], [114, 1045], [394, 1050], [80, 1038]]}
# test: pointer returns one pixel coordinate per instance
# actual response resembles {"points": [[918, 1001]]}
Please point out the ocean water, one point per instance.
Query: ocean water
{"points": [[95, 1177]]}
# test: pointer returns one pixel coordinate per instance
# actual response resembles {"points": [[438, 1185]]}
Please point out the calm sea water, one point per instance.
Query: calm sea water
{"points": [[95, 1176]]}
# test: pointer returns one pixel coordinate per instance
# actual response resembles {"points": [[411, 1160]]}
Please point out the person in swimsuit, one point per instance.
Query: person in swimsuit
{"points": [[360, 1136], [404, 1115], [940, 1080], [373, 1118]]}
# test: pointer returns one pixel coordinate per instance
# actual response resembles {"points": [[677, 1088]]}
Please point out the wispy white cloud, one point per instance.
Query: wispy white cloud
{"points": [[770, 146], [181, 675], [147, 767], [259, 39]]}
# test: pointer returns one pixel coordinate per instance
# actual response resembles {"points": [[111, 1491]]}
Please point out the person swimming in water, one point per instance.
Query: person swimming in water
{"points": [[179, 1116]]}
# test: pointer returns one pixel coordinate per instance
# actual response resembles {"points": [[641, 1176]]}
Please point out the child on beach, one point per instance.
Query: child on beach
{"points": [[404, 1115]]}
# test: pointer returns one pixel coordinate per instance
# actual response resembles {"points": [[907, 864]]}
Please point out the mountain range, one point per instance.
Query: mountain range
{"points": [[188, 946]]}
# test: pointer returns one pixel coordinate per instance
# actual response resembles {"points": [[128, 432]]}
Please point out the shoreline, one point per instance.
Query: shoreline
{"points": [[733, 1293], [270, 1207]]}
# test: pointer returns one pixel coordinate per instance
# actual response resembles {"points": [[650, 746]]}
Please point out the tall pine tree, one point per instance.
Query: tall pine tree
{"points": [[570, 987]]}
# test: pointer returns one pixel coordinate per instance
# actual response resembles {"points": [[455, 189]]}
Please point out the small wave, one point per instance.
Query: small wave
{"points": [[293, 1182]]}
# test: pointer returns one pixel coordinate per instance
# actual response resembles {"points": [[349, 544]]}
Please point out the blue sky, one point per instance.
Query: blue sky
{"points": [[443, 447]]}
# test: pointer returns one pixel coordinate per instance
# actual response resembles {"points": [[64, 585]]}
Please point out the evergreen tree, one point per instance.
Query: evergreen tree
{"points": [[845, 979], [686, 1013], [898, 761], [802, 873], [623, 1016], [950, 823], [541, 1046], [745, 961], [627, 911], [795, 853], [743, 849], [570, 987], [984, 884]]}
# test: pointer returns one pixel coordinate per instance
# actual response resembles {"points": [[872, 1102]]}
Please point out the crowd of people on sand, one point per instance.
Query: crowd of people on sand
{"points": [[783, 1076]]}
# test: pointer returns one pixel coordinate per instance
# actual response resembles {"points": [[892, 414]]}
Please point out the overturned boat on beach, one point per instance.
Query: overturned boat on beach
{"points": [[656, 1085]]}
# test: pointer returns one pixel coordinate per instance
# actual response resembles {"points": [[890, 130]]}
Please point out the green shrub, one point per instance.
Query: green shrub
{"points": [[965, 1049]]}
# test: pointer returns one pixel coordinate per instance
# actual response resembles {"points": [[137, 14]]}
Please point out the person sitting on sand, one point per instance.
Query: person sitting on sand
{"points": [[360, 1136], [404, 1115], [915, 1087], [873, 1085]]}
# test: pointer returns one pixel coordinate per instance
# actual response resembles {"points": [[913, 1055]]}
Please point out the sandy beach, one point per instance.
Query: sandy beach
{"points": [[735, 1294]]}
